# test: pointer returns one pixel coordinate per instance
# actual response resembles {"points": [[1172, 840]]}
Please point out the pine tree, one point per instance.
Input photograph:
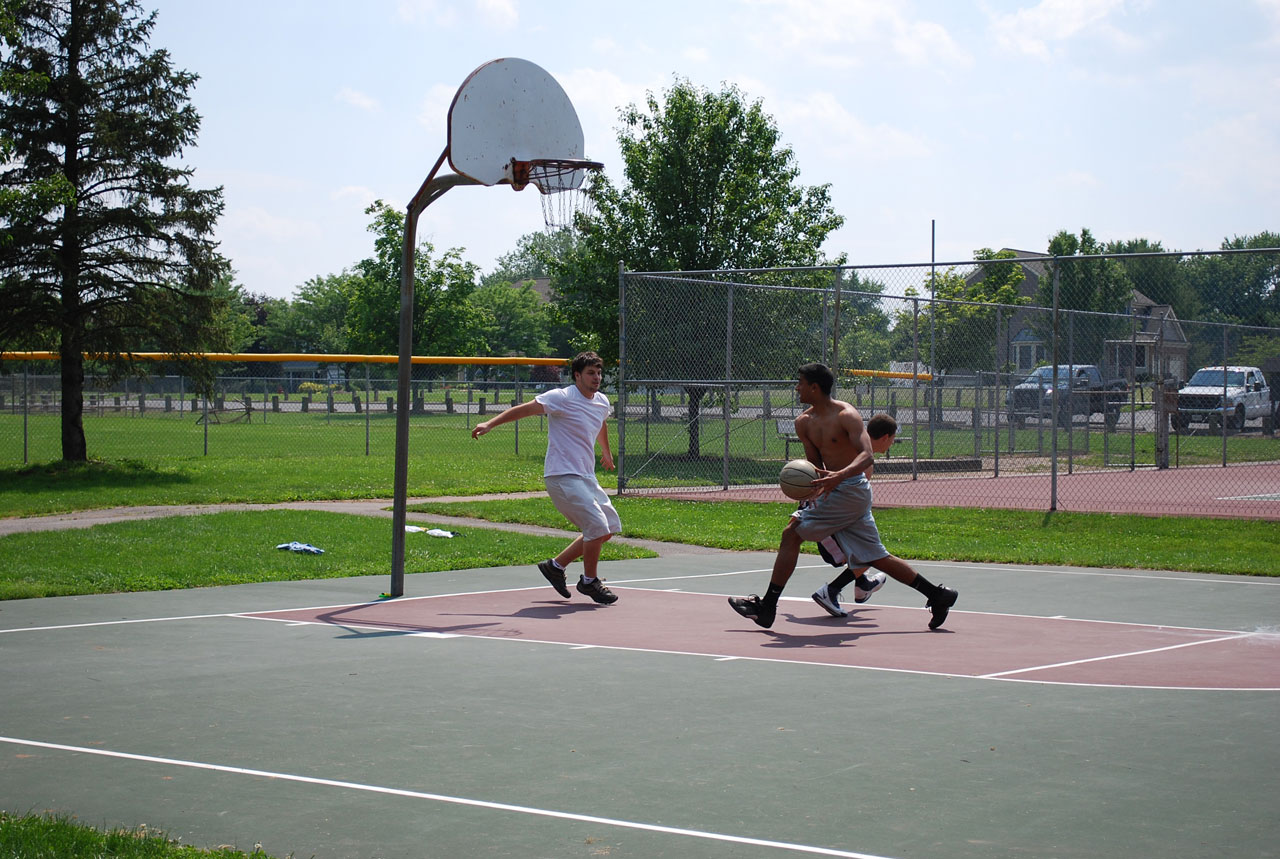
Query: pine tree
{"points": [[111, 251]]}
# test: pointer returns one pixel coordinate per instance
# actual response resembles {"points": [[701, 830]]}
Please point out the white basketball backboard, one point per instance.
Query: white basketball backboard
{"points": [[505, 109]]}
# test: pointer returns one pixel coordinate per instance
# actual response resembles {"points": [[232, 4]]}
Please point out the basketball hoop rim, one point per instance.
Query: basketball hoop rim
{"points": [[520, 169]]}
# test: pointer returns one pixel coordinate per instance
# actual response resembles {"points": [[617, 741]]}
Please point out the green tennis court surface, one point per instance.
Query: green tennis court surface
{"points": [[1061, 713]]}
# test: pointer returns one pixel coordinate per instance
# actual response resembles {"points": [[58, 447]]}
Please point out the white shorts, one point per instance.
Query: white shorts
{"points": [[585, 504]]}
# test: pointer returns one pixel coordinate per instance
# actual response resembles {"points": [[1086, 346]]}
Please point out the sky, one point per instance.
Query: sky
{"points": [[941, 126]]}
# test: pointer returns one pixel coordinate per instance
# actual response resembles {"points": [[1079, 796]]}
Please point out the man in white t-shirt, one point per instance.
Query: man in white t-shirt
{"points": [[576, 420]]}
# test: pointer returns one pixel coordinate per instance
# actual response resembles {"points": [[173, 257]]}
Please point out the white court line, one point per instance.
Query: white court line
{"points": [[116, 622], [778, 660], [1116, 656], [454, 800], [1205, 578]]}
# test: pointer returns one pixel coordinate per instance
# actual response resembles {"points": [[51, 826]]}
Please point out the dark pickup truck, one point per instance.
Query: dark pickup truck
{"points": [[1082, 391]]}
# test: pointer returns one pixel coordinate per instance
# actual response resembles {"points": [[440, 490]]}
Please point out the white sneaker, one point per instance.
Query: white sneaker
{"points": [[823, 598], [877, 580]]}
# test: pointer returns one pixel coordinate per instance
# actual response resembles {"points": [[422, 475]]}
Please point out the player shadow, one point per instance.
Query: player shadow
{"points": [[842, 633], [371, 627], [542, 611]]}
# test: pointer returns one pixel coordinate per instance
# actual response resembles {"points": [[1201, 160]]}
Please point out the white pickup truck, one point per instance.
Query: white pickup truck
{"points": [[1212, 394]]}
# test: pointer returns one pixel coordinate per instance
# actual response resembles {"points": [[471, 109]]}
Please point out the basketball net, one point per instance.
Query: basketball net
{"points": [[564, 194]]}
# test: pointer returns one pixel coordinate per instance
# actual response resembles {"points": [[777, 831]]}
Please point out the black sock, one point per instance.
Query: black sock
{"points": [[924, 586], [772, 594], [841, 581]]}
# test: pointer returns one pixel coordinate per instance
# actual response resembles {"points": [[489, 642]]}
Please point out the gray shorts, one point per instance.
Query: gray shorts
{"points": [[844, 514], [585, 504]]}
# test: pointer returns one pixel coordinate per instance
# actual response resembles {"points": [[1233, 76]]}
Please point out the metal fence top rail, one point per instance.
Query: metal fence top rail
{"points": [[1037, 258], [284, 357]]}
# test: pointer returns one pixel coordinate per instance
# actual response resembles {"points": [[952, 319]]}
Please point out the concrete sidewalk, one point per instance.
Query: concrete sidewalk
{"points": [[379, 507]]}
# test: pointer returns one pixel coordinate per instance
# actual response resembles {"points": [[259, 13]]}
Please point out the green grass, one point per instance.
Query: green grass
{"points": [[61, 487], [34, 836], [239, 547], [1245, 547]]}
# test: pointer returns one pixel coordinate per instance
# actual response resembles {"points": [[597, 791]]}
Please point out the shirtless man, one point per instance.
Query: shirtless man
{"points": [[838, 443]]}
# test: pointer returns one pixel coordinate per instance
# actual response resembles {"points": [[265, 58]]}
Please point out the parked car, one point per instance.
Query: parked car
{"points": [[1215, 394], [1081, 391]]}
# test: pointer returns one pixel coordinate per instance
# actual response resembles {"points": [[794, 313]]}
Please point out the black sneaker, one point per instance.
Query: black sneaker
{"points": [[597, 591], [754, 608], [829, 600], [940, 603], [556, 576]]}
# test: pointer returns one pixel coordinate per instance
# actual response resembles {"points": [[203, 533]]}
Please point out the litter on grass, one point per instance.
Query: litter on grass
{"points": [[295, 546], [432, 532]]}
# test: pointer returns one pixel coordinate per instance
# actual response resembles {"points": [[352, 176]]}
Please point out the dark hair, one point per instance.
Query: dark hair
{"points": [[820, 375], [583, 360], [882, 425]]}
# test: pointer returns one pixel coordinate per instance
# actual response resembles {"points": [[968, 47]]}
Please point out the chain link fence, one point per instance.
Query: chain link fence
{"points": [[709, 360], [275, 410], [704, 393]]}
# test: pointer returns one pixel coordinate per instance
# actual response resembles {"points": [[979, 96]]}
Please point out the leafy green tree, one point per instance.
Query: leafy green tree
{"points": [[320, 310], [444, 322], [532, 258], [964, 333], [1163, 279], [1097, 285], [1239, 288], [864, 324], [37, 196], [513, 320], [126, 257], [709, 186]]}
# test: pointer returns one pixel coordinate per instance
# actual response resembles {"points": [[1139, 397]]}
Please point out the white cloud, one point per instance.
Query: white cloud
{"points": [[844, 136], [698, 54], [1235, 152], [265, 225], [843, 33], [360, 194], [1033, 30], [427, 12], [498, 14], [1078, 179], [357, 99], [433, 114], [1271, 8]]}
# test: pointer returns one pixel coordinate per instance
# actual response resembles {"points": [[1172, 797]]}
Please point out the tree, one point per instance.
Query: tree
{"points": [[444, 323], [1096, 285], [531, 259], [125, 258], [512, 320], [709, 186], [1163, 279], [320, 310], [1240, 288], [961, 321], [864, 324]]}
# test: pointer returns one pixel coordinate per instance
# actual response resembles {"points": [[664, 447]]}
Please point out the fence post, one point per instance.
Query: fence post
{"points": [[1053, 459], [1223, 422], [26, 405]]}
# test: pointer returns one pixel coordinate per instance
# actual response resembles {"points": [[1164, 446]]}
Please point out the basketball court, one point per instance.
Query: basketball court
{"points": [[1059, 712]]}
